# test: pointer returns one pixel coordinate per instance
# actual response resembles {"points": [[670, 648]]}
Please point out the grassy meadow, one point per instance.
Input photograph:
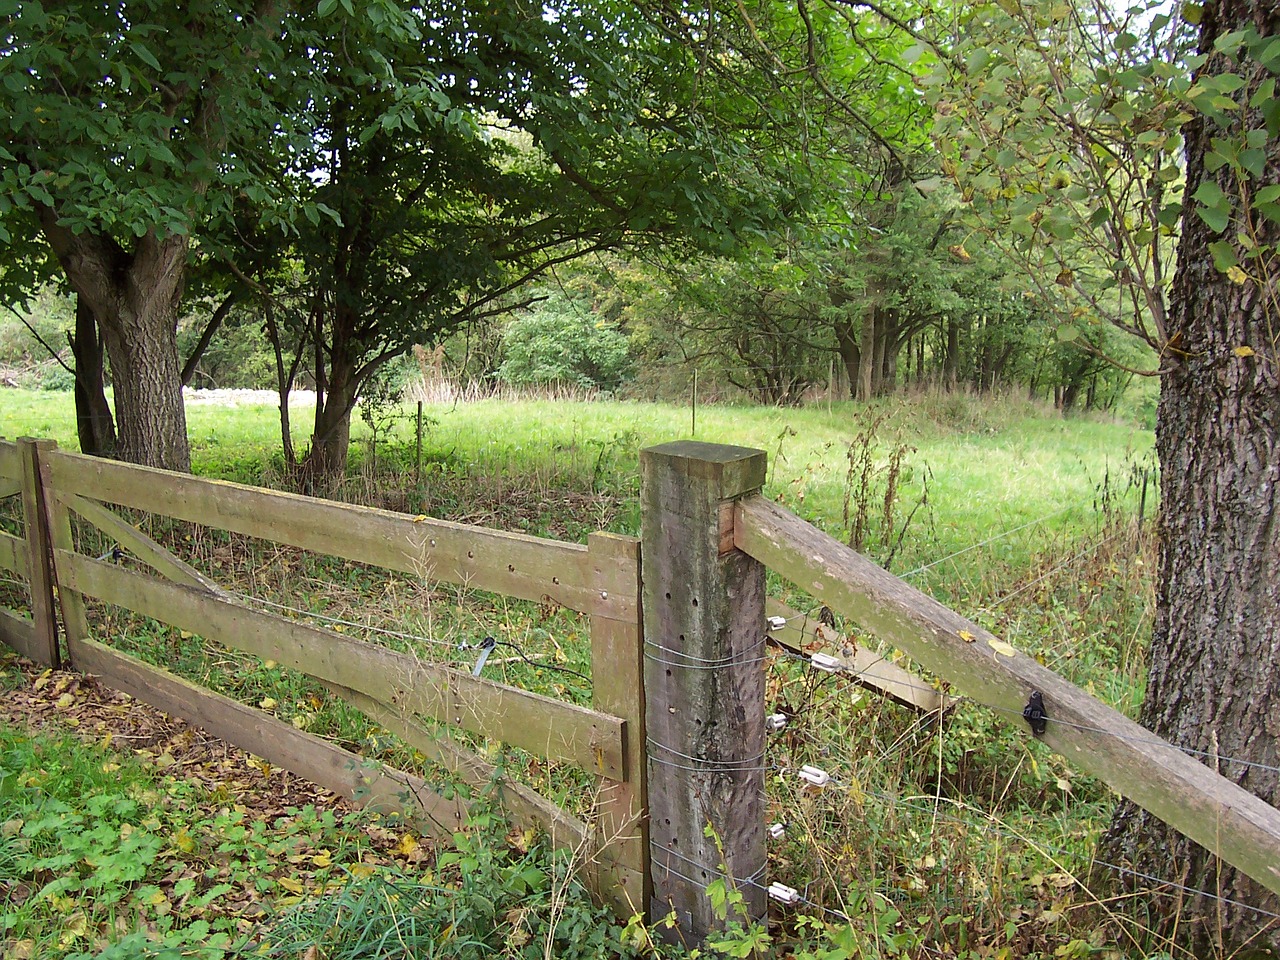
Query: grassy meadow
{"points": [[961, 839]]}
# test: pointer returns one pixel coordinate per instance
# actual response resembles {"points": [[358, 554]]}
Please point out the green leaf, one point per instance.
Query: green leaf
{"points": [[145, 55], [1224, 255], [1254, 161], [1192, 13]]}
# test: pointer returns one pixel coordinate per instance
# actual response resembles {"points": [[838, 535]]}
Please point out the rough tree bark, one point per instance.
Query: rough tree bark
{"points": [[134, 295], [1215, 652], [95, 427]]}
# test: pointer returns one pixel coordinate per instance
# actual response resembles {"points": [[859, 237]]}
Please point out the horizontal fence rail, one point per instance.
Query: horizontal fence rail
{"points": [[1222, 817], [551, 728], [513, 564]]}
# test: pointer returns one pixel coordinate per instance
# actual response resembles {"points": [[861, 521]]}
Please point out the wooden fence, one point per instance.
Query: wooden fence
{"points": [[395, 690], [675, 732]]}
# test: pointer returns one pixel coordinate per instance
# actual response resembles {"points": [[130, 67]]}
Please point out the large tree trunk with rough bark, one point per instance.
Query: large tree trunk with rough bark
{"points": [[134, 295], [1214, 683], [95, 427]]}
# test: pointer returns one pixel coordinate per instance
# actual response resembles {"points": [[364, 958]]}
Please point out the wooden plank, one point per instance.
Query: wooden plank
{"points": [[1211, 810], [559, 731], [869, 670], [367, 782], [19, 633], [13, 554], [524, 806], [703, 682], [617, 670], [39, 555], [10, 469], [517, 565], [75, 624], [139, 544]]}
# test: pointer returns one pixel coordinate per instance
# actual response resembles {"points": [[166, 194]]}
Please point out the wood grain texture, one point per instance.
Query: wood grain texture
{"points": [[524, 806], [1239, 827], [517, 565], [704, 681], [39, 557], [138, 543], [367, 782], [10, 469], [621, 845], [18, 633], [75, 623], [871, 671], [559, 731], [13, 554]]}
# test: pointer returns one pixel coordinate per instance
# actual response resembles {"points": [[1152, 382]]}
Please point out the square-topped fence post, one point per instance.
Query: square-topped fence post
{"points": [[704, 682]]}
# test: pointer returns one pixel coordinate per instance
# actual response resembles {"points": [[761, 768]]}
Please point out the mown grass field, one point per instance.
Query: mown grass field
{"points": [[962, 839]]}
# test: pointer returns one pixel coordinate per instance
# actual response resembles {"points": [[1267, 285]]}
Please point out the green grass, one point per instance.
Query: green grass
{"points": [[966, 835]]}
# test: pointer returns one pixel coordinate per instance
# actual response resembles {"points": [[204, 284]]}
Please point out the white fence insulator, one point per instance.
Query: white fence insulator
{"points": [[826, 663], [777, 831], [784, 894], [814, 776], [776, 623], [775, 722]]}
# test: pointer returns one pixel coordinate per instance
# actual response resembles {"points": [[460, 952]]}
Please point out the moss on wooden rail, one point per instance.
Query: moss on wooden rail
{"points": [[551, 728], [1211, 810], [517, 565]]}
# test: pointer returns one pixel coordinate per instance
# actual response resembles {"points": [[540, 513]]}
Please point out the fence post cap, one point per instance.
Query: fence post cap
{"points": [[736, 470]]}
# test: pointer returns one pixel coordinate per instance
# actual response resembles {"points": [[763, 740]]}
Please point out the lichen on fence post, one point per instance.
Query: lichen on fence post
{"points": [[703, 604]]}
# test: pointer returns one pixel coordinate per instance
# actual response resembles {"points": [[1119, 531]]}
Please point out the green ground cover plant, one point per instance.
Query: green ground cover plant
{"points": [[962, 838]]}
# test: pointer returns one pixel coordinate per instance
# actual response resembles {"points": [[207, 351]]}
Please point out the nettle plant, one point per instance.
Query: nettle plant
{"points": [[1061, 127]]}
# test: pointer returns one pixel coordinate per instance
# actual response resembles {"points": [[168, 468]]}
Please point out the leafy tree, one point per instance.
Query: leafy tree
{"points": [[466, 152], [127, 129]]}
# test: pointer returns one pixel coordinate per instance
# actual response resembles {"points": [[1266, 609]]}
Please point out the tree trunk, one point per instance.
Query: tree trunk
{"points": [[850, 353], [866, 361], [951, 361], [1215, 652], [336, 390], [143, 347], [94, 424], [134, 295]]}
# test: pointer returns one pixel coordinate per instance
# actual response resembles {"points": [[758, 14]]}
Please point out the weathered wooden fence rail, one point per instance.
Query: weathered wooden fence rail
{"points": [[675, 729], [396, 690]]}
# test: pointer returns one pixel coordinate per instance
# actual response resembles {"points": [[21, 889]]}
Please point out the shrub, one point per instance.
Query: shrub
{"points": [[563, 342]]}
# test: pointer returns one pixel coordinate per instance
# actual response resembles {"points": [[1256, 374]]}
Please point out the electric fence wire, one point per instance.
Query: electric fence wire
{"points": [[688, 661], [1016, 714], [463, 650], [987, 542], [705, 765]]}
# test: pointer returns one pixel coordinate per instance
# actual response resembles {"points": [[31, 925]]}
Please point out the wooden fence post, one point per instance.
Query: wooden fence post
{"points": [[75, 624], [617, 674], [704, 681], [35, 520]]}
